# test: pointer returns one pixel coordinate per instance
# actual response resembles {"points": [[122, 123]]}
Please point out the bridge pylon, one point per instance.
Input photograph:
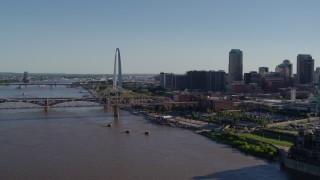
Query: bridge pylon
{"points": [[106, 104], [46, 105], [116, 111]]}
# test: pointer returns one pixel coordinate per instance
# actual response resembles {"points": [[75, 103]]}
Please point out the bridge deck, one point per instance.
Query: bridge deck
{"points": [[88, 102], [39, 84]]}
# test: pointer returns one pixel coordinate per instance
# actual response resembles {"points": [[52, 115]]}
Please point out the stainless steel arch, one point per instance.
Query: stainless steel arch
{"points": [[117, 81]]}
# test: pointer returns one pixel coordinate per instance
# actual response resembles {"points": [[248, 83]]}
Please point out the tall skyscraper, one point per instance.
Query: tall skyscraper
{"points": [[305, 68], [285, 70], [235, 65]]}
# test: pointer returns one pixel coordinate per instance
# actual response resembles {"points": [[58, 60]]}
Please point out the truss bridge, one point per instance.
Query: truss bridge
{"points": [[23, 103]]}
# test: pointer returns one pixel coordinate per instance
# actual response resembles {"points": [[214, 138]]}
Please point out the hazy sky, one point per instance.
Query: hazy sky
{"points": [[81, 36]]}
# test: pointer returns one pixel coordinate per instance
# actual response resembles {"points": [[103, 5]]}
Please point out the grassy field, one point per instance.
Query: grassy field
{"points": [[244, 144], [268, 140]]}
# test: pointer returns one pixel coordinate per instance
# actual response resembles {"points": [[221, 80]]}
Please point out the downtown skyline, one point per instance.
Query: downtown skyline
{"points": [[81, 36]]}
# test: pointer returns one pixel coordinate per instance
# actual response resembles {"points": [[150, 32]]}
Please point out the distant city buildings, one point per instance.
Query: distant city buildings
{"points": [[282, 82], [26, 78], [271, 82], [252, 77], [235, 70], [203, 81], [285, 70], [167, 80], [305, 68], [217, 90], [216, 104], [263, 70], [316, 77]]}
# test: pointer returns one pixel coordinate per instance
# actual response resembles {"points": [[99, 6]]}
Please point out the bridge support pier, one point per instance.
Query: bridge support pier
{"points": [[116, 111], [106, 104], [106, 107], [46, 109], [46, 105]]}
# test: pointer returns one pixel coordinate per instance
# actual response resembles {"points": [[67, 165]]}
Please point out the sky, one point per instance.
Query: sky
{"points": [[81, 36]]}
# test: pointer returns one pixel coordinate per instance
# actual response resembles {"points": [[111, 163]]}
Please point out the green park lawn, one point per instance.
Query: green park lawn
{"points": [[268, 140]]}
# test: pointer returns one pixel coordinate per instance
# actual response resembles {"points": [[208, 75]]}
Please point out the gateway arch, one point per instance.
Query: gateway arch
{"points": [[117, 78]]}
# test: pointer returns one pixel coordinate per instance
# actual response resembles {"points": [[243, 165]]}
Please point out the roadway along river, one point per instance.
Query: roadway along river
{"points": [[74, 143]]}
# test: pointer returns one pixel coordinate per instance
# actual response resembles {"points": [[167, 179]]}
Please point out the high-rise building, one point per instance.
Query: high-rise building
{"points": [[235, 65], [197, 80], [263, 70], [215, 81], [285, 70], [206, 80], [167, 80], [180, 82], [316, 76], [305, 68]]}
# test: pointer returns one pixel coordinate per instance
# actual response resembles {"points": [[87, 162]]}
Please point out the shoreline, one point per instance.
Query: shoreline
{"points": [[204, 129]]}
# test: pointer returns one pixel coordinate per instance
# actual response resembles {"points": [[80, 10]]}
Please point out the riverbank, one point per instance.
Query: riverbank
{"points": [[212, 131], [175, 121], [245, 145], [168, 120]]}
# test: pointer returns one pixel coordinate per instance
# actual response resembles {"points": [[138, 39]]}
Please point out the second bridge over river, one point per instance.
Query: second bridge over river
{"points": [[110, 101]]}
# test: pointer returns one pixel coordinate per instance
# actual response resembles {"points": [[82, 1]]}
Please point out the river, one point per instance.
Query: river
{"points": [[75, 143]]}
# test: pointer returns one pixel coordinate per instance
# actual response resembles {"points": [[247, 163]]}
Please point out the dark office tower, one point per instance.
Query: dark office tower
{"points": [[305, 68], [197, 80], [215, 81], [180, 82], [247, 78], [263, 70], [167, 80], [285, 70], [235, 65]]}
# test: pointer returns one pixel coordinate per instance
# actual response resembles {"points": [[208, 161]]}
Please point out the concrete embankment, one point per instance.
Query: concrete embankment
{"points": [[174, 121], [302, 167]]}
